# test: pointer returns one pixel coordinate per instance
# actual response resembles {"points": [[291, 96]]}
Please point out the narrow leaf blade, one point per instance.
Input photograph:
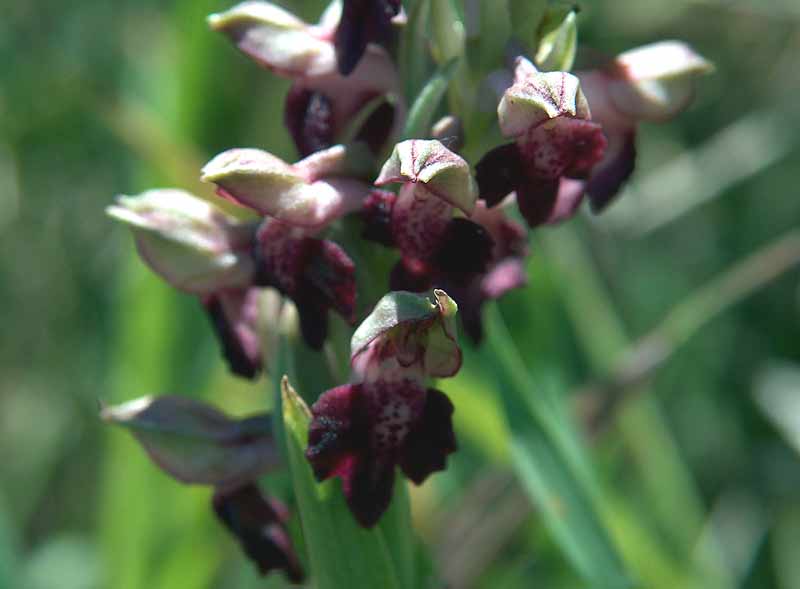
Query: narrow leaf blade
{"points": [[548, 468], [420, 117]]}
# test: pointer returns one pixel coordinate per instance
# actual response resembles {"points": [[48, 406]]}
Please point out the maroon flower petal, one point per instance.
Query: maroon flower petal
{"points": [[358, 433], [330, 276], [337, 432], [369, 491], [431, 440], [259, 525], [499, 172], [414, 278], [377, 217], [339, 445], [234, 316], [309, 118], [609, 176], [362, 22], [503, 277], [464, 251], [316, 274], [378, 127], [562, 146], [537, 200], [313, 321], [419, 221]]}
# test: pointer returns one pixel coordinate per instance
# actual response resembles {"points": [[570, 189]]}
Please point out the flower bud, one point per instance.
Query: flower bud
{"points": [[196, 443], [655, 82], [419, 332], [190, 243], [362, 22], [558, 39]]}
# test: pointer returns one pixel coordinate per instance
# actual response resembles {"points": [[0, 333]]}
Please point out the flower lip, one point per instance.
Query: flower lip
{"points": [[234, 317], [361, 432], [316, 274]]}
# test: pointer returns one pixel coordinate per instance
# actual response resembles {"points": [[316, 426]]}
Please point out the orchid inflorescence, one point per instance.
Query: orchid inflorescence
{"points": [[374, 154]]}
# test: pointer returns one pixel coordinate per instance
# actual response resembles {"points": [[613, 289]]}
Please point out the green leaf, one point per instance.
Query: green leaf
{"points": [[526, 15], [494, 32], [548, 466], [558, 39], [398, 530], [342, 554], [420, 117], [415, 63], [448, 31]]}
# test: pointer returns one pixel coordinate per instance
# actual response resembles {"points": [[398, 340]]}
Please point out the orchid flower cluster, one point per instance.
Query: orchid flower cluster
{"points": [[406, 186]]}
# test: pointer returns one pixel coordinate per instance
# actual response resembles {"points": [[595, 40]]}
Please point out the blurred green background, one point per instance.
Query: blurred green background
{"points": [[699, 471]]}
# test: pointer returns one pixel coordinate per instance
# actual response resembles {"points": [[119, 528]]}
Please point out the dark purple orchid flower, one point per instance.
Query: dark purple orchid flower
{"points": [[555, 142], [651, 83], [387, 417], [299, 200]]}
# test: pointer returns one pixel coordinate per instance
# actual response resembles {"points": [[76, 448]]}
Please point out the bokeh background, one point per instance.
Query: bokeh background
{"points": [[698, 465]]}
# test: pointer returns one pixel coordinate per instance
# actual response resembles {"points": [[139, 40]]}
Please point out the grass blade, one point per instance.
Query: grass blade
{"points": [[548, 467]]}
